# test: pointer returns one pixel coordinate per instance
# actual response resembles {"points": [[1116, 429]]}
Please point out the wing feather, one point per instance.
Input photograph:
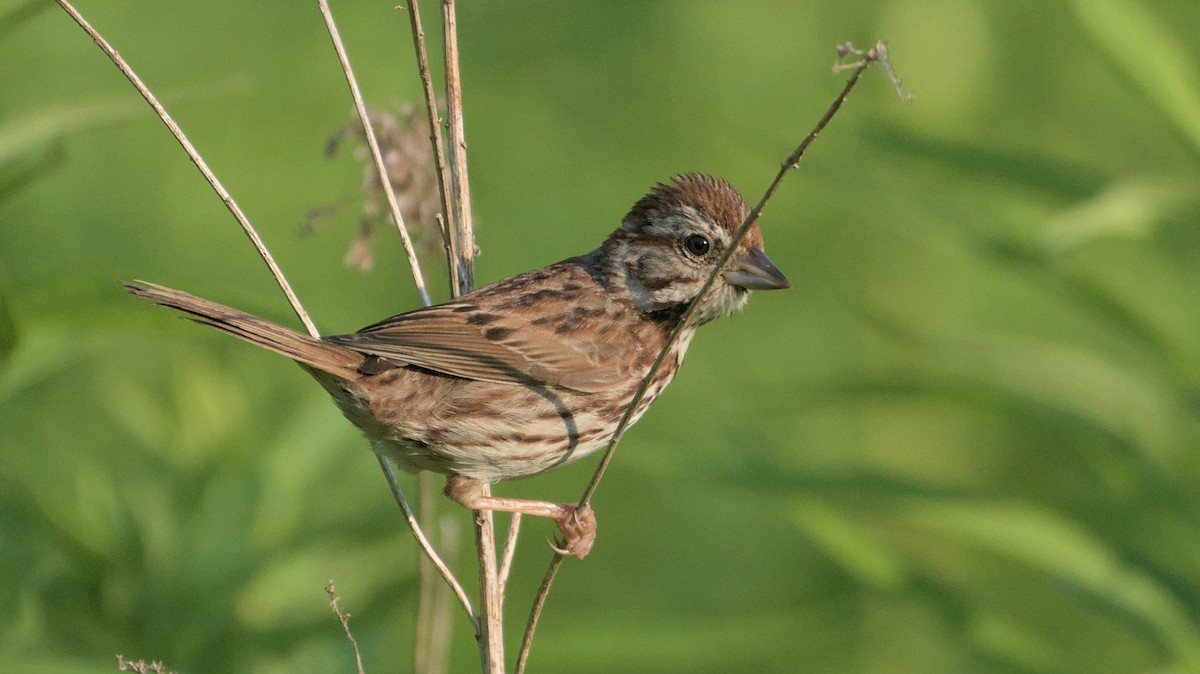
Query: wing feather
{"points": [[482, 337]]}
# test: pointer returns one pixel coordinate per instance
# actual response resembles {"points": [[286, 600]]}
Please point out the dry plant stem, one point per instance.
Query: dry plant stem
{"points": [[435, 139], [344, 618], [376, 155], [198, 161], [871, 56], [491, 626], [790, 163], [460, 192], [535, 612], [276, 272], [491, 618], [510, 549], [425, 652], [424, 542]]}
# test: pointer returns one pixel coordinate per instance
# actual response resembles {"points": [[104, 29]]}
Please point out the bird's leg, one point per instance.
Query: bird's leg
{"points": [[578, 527]]}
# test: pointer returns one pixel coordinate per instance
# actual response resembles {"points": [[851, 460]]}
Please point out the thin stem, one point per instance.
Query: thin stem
{"points": [[198, 161], [425, 651], [790, 163], [491, 624], [422, 541], [510, 549], [535, 612], [435, 139], [376, 155], [871, 56], [460, 205], [344, 618], [491, 620]]}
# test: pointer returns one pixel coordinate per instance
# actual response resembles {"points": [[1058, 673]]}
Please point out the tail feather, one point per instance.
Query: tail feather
{"points": [[311, 351]]}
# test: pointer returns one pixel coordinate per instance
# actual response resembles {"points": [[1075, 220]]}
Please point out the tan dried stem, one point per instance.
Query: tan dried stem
{"points": [[491, 618], [277, 273], [510, 550], [194, 155], [384, 180], [460, 192], [427, 650], [491, 625], [376, 155], [535, 612], [422, 541], [344, 618], [435, 139], [873, 55]]}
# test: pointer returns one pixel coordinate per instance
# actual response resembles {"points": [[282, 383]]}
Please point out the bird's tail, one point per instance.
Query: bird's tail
{"points": [[311, 351]]}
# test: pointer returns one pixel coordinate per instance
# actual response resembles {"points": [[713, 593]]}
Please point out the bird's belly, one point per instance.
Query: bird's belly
{"points": [[488, 431], [505, 447]]}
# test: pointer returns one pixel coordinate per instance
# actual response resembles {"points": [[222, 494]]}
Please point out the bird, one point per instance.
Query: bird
{"points": [[536, 370]]}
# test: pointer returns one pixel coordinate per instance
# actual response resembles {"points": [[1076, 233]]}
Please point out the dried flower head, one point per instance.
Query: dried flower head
{"points": [[403, 138]]}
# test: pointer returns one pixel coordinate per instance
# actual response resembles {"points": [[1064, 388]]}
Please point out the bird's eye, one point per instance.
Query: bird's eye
{"points": [[696, 244]]}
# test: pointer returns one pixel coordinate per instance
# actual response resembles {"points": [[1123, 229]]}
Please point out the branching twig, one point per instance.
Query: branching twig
{"points": [[879, 54], [874, 55], [344, 618], [198, 161], [376, 155], [141, 666]]}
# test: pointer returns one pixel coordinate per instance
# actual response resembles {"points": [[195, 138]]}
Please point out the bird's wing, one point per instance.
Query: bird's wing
{"points": [[547, 339]]}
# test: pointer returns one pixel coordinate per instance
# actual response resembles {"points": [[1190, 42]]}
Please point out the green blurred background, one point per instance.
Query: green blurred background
{"points": [[967, 440]]}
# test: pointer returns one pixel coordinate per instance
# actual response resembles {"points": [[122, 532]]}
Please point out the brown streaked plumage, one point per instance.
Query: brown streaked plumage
{"points": [[534, 371]]}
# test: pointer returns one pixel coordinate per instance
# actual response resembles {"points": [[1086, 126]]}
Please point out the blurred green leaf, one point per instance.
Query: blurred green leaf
{"points": [[1151, 56], [17, 16], [8, 329], [1131, 209], [1005, 166], [21, 171], [1012, 642], [1061, 549], [23, 137], [858, 550]]}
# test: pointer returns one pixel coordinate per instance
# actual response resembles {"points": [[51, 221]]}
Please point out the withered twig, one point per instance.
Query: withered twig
{"points": [[344, 618]]}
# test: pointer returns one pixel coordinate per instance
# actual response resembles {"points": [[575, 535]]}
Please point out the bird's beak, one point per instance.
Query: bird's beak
{"points": [[753, 270]]}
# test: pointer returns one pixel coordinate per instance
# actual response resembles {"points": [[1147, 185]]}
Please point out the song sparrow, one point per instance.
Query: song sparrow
{"points": [[534, 371]]}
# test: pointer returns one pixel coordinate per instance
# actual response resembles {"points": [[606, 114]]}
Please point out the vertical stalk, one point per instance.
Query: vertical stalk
{"points": [[491, 616], [460, 203], [491, 626]]}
